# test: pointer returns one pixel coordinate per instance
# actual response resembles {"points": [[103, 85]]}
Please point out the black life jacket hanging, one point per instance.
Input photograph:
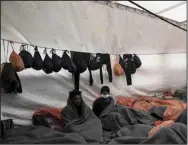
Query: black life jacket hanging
{"points": [[47, 63], [37, 60], [26, 56], [129, 62], [67, 63], [56, 60], [95, 62]]}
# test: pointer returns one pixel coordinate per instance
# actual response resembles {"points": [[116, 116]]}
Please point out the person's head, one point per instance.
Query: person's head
{"points": [[75, 97], [105, 91]]}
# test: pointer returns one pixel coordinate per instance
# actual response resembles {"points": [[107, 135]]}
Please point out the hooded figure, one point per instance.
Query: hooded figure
{"points": [[76, 100], [78, 117]]}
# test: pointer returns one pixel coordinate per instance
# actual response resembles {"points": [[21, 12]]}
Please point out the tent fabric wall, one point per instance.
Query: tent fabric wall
{"points": [[158, 73], [89, 27]]}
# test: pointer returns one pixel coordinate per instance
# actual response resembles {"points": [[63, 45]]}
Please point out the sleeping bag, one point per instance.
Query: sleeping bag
{"points": [[47, 64], [56, 60], [37, 60], [26, 57]]}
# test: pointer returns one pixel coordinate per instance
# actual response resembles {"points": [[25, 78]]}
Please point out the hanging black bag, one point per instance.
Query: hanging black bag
{"points": [[47, 63], [56, 60], [37, 60], [79, 61], [26, 57], [95, 62], [137, 61], [67, 63], [129, 62]]}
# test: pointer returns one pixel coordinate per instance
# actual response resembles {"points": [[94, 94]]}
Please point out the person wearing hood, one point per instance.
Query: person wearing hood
{"points": [[76, 100], [78, 117], [103, 101]]}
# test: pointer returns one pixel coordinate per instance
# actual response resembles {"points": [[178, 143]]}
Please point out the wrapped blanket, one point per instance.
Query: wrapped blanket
{"points": [[40, 135], [88, 125], [175, 134], [114, 117]]}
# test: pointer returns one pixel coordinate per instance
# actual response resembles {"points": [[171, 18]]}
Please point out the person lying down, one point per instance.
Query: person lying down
{"points": [[78, 117]]}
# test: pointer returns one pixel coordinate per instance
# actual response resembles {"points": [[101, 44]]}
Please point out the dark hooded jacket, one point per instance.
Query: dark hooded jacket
{"points": [[10, 80]]}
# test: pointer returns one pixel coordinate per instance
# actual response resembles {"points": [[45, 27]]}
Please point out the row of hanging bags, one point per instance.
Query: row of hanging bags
{"points": [[48, 65]]}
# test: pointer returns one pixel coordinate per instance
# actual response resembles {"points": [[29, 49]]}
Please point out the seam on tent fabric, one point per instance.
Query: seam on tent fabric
{"points": [[157, 16], [138, 11]]}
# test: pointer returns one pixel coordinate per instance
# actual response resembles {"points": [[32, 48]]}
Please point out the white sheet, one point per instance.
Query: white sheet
{"points": [[158, 73]]}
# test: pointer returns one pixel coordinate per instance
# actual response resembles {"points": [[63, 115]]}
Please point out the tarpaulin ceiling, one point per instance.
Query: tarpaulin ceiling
{"points": [[175, 10], [89, 27]]}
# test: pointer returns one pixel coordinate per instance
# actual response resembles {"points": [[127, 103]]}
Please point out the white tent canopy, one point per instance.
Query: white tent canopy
{"points": [[175, 10], [90, 27]]}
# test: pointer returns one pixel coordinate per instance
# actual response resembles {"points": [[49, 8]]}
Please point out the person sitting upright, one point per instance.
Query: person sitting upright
{"points": [[103, 101], [78, 117]]}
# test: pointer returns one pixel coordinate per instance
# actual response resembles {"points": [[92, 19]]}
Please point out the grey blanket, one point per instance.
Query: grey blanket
{"points": [[176, 134], [182, 118], [129, 134], [139, 130], [114, 117], [88, 125], [40, 135]]}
